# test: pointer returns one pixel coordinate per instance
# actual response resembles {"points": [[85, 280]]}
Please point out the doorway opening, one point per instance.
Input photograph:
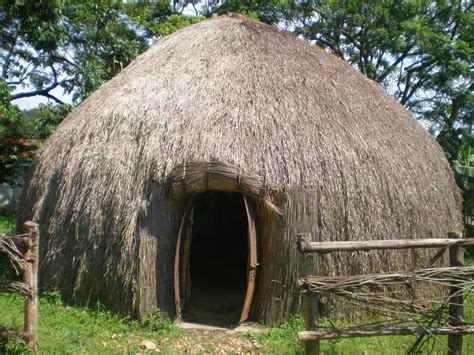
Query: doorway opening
{"points": [[218, 260]]}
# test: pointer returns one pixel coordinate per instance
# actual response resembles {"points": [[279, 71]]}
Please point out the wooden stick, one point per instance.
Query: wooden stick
{"points": [[310, 306], [9, 333], [15, 287], [326, 247], [456, 309], [382, 331], [30, 277]]}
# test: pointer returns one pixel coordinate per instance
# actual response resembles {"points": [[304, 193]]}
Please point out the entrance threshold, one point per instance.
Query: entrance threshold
{"points": [[247, 327]]}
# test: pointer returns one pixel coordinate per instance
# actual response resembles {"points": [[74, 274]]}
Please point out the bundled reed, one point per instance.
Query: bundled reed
{"points": [[8, 246], [16, 287], [387, 293]]}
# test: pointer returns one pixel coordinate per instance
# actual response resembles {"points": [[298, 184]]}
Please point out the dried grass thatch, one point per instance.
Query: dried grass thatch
{"points": [[298, 128]]}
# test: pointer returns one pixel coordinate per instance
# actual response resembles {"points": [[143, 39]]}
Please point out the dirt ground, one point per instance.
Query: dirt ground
{"points": [[211, 341], [196, 341]]}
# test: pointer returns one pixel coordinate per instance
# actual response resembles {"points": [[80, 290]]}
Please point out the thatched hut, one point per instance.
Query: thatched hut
{"points": [[187, 177]]}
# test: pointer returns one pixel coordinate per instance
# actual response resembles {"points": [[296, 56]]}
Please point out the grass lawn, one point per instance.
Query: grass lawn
{"points": [[64, 329]]}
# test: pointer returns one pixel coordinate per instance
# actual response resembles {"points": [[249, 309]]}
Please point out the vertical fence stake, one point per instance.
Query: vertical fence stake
{"points": [[310, 301], [456, 310], [30, 277]]}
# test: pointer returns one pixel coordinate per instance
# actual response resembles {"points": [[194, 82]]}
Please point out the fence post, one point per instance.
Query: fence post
{"points": [[456, 310], [310, 301], [30, 277]]}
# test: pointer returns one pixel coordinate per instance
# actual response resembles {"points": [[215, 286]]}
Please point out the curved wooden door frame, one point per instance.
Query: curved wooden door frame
{"points": [[177, 256], [252, 262], [252, 258]]}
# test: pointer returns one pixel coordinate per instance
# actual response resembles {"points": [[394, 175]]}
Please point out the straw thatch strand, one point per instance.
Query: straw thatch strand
{"points": [[232, 104]]}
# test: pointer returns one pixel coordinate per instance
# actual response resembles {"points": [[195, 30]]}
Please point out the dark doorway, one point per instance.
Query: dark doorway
{"points": [[218, 259]]}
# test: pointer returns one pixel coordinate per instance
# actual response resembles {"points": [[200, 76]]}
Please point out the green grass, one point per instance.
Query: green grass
{"points": [[282, 340], [65, 329]]}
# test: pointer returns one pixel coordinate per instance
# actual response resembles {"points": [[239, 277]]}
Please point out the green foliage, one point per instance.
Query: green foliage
{"points": [[52, 298], [7, 226], [158, 19], [7, 222], [464, 173], [49, 117], [284, 339], [7, 111], [159, 322], [421, 51], [101, 40], [464, 165], [271, 11], [77, 46], [14, 148], [31, 34]]}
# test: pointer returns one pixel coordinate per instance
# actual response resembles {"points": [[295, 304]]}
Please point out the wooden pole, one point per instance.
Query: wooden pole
{"points": [[310, 301], [382, 331], [307, 246], [456, 309], [30, 277]]}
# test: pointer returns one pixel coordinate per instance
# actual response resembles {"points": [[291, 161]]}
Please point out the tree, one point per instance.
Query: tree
{"points": [[40, 122], [420, 51], [29, 40], [67, 44], [271, 11], [100, 42], [160, 19], [76, 45], [464, 173]]}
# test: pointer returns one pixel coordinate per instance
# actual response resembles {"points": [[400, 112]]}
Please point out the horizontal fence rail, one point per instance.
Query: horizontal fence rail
{"points": [[382, 331], [305, 246]]}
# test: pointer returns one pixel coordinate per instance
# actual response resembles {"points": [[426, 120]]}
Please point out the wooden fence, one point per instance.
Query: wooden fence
{"points": [[22, 250], [457, 275]]}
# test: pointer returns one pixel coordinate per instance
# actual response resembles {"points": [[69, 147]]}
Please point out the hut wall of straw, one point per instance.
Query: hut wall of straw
{"points": [[318, 147]]}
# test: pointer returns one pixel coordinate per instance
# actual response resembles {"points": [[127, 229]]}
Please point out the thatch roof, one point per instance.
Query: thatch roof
{"points": [[236, 91]]}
